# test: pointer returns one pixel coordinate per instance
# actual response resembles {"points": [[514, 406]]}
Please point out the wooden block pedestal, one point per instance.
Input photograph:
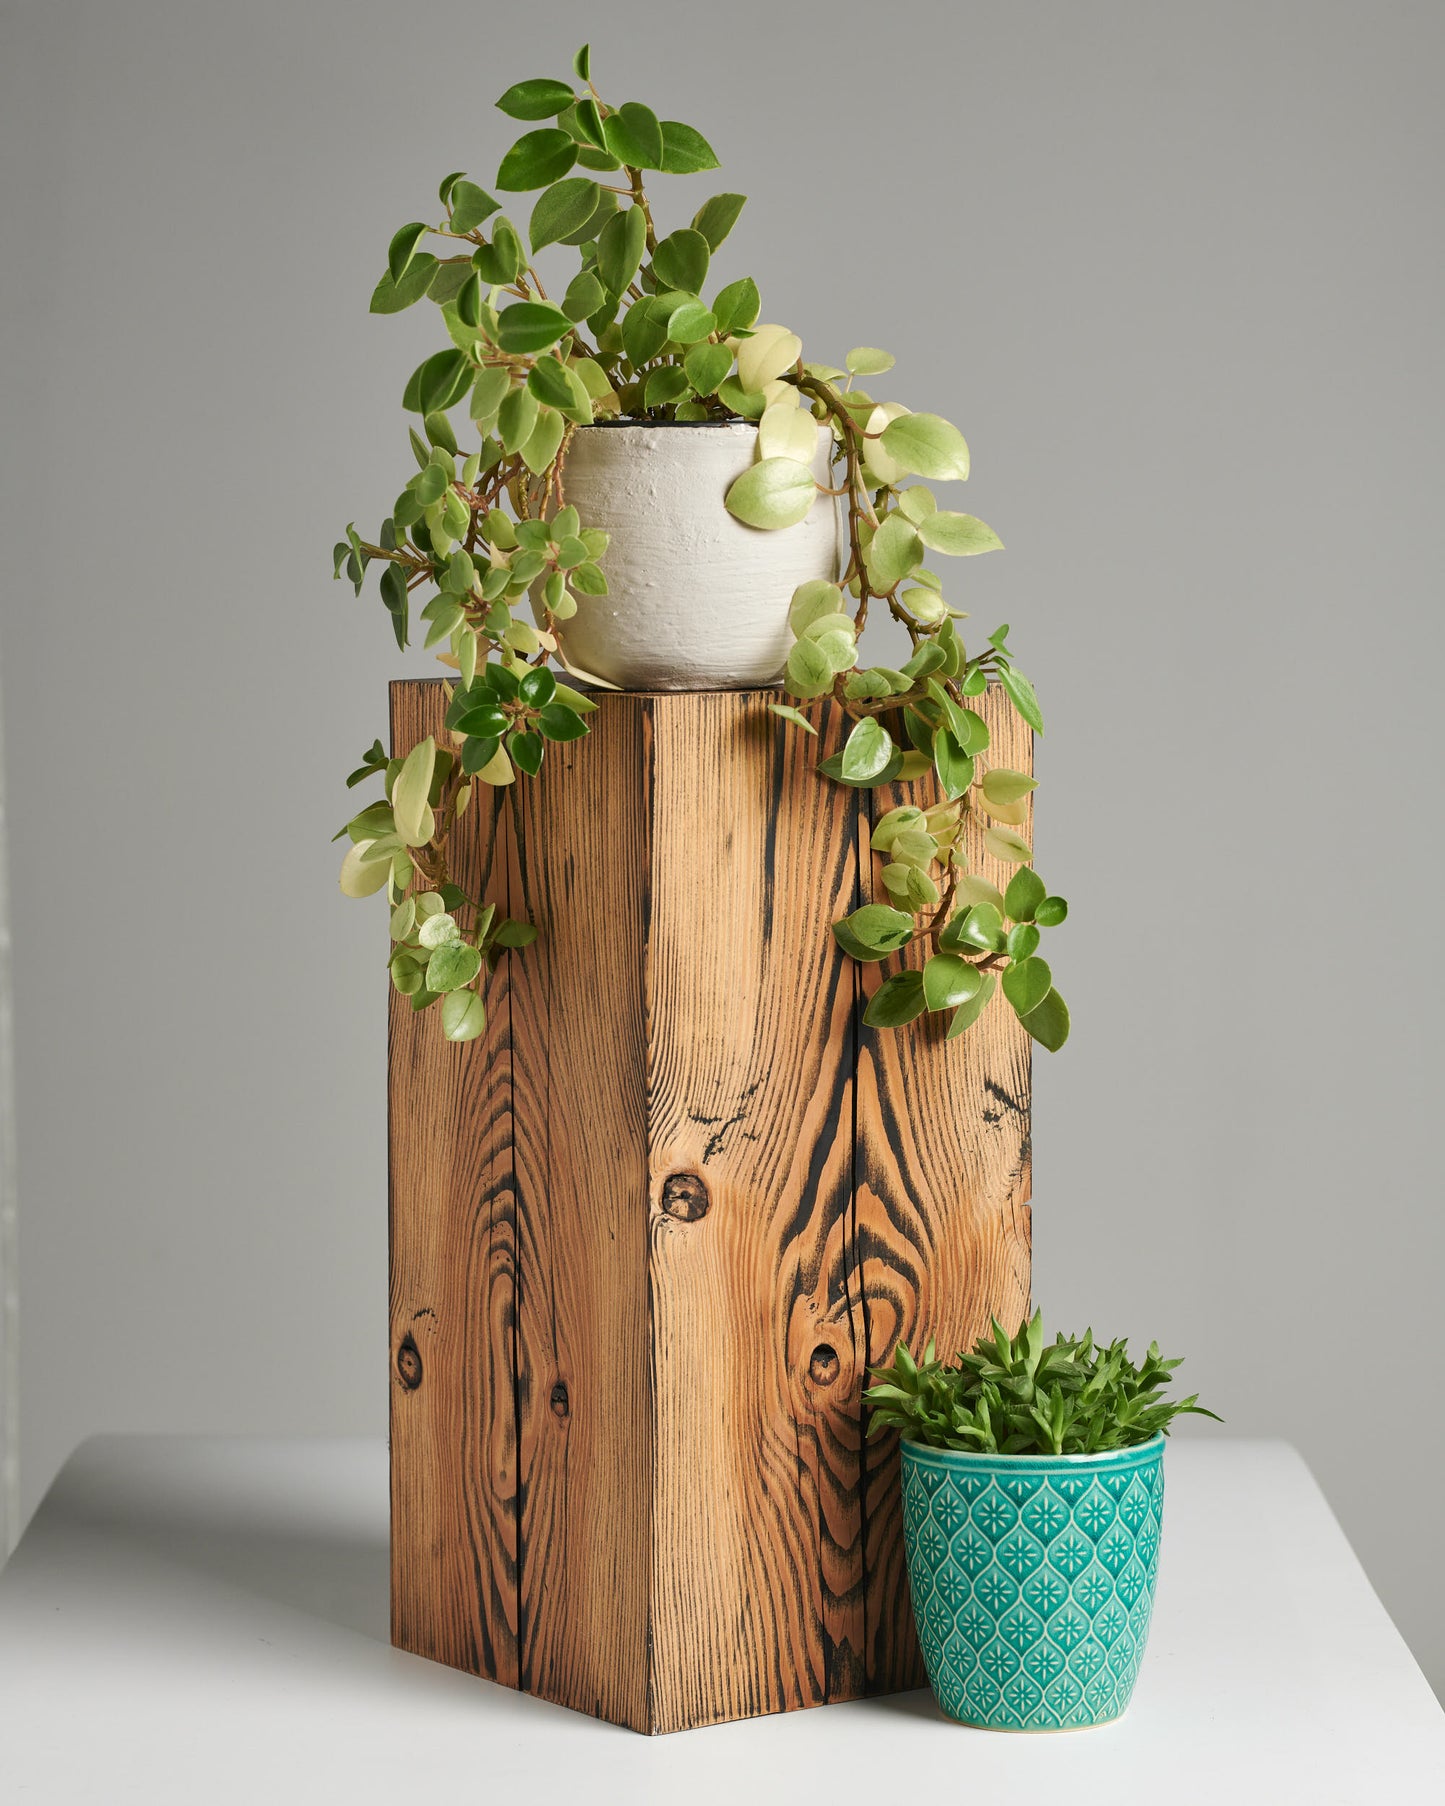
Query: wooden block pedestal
{"points": [[648, 1233]]}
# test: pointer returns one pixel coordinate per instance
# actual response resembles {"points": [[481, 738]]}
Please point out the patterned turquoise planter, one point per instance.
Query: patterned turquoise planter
{"points": [[1033, 1580]]}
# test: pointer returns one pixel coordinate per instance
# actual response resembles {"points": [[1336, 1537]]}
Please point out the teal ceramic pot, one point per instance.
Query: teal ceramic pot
{"points": [[1033, 1580]]}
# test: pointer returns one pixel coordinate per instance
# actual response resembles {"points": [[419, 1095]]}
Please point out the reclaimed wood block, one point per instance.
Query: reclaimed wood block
{"points": [[649, 1232]]}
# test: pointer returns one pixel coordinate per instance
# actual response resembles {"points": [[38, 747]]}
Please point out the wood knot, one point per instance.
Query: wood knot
{"points": [[408, 1364], [684, 1196], [823, 1367], [561, 1404]]}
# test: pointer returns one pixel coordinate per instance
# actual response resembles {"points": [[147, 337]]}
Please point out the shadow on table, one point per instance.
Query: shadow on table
{"points": [[316, 1542]]}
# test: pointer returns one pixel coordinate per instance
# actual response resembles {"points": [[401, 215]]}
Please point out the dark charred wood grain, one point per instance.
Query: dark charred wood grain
{"points": [[649, 1234]]}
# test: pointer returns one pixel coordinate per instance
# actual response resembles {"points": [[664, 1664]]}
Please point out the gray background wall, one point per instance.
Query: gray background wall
{"points": [[1175, 269]]}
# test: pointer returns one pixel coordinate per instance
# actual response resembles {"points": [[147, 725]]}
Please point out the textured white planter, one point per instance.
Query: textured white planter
{"points": [[697, 601]]}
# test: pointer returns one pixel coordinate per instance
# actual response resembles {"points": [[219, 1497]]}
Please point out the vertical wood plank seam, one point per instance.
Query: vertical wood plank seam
{"points": [[648, 782], [862, 816], [514, 865]]}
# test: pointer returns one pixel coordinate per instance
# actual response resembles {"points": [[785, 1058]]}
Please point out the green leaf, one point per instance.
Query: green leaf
{"points": [[398, 254], [582, 63], [953, 765], [620, 247], [539, 99], [634, 136], [897, 1000], [531, 326], [866, 752], [853, 947], [517, 418], [527, 751], [444, 287], [551, 383], [685, 152], [809, 671], [1023, 941], [1021, 692], [470, 206], [390, 297], [981, 927], [910, 886], [838, 644], [895, 549], [585, 294], [361, 876], [408, 973], [968, 1013], [878, 928], [439, 431], [537, 687], [789, 713], [766, 354], [1026, 983], [536, 159], [1048, 1022], [543, 443], [464, 1016], [559, 723], [692, 322], [1004, 844], [717, 217], [587, 580], [949, 980], [469, 302], [477, 754], [868, 360], [776, 492], [833, 768], [737, 305], [926, 445], [516, 934], [665, 385], [451, 966], [441, 382], [575, 700], [561, 209], [584, 121], [903, 819], [930, 656], [414, 820], [1001, 785], [960, 535], [1024, 894], [681, 259], [502, 260], [706, 366], [1051, 912], [643, 333]]}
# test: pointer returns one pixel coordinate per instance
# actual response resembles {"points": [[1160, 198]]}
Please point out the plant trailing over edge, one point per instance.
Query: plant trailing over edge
{"points": [[486, 543], [1025, 1396]]}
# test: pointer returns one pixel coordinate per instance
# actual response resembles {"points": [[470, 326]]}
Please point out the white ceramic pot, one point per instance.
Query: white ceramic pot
{"points": [[697, 601]]}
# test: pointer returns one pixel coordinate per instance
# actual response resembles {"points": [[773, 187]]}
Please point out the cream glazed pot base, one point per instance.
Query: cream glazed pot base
{"points": [[697, 600]]}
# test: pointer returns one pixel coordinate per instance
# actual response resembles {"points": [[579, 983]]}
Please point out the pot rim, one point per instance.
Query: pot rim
{"points": [[926, 1451], [629, 420]]}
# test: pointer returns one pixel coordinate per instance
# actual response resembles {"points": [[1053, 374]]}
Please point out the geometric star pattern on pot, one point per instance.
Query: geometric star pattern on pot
{"points": [[1033, 1580]]}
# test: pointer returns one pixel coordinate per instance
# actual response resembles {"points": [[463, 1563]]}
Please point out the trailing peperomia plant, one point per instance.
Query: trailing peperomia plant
{"points": [[483, 545], [1021, 1395]]}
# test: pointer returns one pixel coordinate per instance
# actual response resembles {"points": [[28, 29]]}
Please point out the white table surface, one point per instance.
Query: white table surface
{"points": [[203, 1621]]}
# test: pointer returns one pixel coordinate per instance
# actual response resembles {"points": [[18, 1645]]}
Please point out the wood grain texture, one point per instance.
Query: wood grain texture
{"points": [[454, 1474], [649, 1233], [941, 1200]]}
